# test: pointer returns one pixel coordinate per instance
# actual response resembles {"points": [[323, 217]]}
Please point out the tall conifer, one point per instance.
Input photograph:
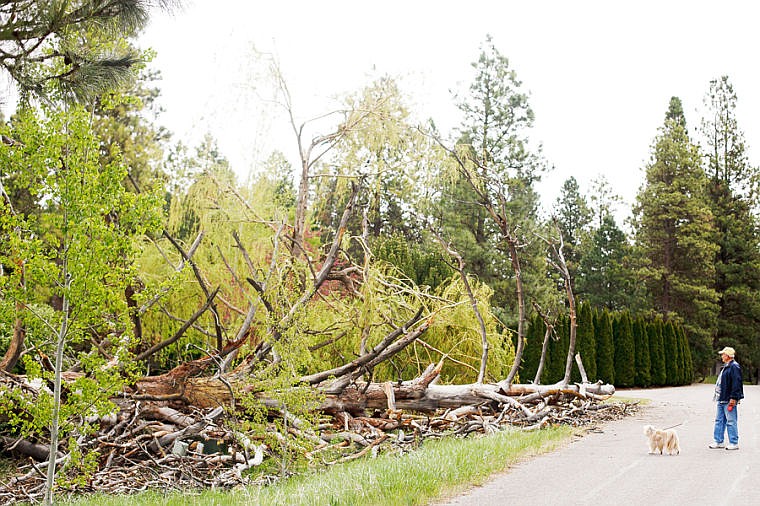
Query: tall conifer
{"points": [[675, 234], [733, 199]]}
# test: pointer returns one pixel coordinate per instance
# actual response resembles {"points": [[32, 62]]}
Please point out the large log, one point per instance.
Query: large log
{"points": [[409, 396], [417, 395]]}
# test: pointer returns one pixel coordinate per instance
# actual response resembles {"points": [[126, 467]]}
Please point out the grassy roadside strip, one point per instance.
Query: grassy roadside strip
{"points": [[439, 469]]}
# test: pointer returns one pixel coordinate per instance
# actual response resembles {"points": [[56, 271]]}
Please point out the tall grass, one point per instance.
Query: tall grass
{"points": [[437, 470]]}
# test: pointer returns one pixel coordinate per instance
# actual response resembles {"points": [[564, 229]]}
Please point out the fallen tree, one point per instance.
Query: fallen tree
{"points": [[183, 425]]}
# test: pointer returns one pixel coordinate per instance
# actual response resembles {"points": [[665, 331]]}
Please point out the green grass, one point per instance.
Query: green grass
{"points": [[710, 380], [439, 469]]}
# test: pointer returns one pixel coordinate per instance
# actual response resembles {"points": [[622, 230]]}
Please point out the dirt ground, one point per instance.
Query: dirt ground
{"points": [[613, 466]]}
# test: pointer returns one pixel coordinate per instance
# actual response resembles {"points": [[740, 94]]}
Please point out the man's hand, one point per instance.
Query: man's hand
{"points": [[731, 404]]}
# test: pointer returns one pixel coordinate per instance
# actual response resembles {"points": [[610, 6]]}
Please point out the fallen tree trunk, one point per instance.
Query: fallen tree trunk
{"points": [[420, 394]]}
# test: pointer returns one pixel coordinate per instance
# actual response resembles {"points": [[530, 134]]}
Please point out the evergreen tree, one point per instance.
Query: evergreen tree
{"points": [[534, 340], [738, 259], [126, 124], [675, 234], [688, 363], [605, 349], [656, 353], [418, 262], [670, 344], [603, 200], [557, 354], [572, 215], [586, 342], [605, 277], [72, 49], [643, 376], [680, 359], [496, 169], [625, 352]]}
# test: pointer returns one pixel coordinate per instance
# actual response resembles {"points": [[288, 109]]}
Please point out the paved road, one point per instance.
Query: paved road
{"points": [[613, 467]]}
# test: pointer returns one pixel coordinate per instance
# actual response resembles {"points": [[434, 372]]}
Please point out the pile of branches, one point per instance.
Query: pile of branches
{"points": [[150, 446]]}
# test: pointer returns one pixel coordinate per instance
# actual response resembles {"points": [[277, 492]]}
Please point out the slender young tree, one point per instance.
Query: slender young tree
{"points": [[79, 260], [602, 200]]}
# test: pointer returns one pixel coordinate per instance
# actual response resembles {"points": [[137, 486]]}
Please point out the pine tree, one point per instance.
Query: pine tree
{"points": [[573, 216], [605, 277], [675, 234], [495, 172], [70, 49], [738, 260]]}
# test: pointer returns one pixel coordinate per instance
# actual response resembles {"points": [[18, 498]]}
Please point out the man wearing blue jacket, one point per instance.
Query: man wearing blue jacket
{"points": [[728, 392]]}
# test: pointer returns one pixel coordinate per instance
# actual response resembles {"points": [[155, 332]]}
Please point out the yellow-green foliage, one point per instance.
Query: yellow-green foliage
{"points": [[387, 302], [335, 326], [455, 335]]}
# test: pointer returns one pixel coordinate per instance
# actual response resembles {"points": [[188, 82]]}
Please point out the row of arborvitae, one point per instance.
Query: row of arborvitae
{"points": [[615, 347]]}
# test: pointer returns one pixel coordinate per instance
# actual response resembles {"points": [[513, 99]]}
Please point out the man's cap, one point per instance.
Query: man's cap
{"points": [[728, 351]]}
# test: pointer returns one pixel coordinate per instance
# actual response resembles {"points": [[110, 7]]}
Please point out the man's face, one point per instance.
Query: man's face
{"points": [[725, 357]]}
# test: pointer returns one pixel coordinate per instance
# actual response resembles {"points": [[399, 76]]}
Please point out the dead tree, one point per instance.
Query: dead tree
{"points": [[557, 260], [496, 207]]}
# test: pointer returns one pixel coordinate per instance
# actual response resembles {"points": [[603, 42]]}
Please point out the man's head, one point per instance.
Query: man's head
{"points": [[727, 354]]}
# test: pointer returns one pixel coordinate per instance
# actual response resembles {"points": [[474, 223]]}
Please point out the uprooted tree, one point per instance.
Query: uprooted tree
{"points": [[238, 310]]}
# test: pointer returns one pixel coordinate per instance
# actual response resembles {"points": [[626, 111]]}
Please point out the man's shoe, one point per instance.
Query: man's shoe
{"points": [[716, 445], [732, 447]]}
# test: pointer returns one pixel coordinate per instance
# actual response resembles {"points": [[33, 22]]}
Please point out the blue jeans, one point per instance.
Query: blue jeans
{"points": [[726, 421]]}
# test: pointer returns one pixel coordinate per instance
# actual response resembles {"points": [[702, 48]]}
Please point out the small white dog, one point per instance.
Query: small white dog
{"points": [[664, 441]]}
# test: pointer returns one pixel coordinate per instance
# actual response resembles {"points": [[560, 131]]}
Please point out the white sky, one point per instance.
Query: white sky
{"points": [[600, 73]]}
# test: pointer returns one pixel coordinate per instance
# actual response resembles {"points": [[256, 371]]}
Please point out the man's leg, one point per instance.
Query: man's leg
{"points": [[720, 423], [732, 425]]}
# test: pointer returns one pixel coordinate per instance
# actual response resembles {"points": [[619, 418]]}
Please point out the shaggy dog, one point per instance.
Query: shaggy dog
{"points": [[663, 440]]}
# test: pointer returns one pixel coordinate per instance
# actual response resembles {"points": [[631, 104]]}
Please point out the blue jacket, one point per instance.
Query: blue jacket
{"points": [[731, 382]]}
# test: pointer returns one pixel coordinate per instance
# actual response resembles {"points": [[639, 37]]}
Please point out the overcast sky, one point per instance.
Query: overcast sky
{"points": [[600, 73]]}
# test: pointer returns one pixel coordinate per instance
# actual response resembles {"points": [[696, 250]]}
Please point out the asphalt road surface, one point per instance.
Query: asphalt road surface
{"points": [[613, 467]]}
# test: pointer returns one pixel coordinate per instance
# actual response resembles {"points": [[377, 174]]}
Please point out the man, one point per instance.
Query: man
{"points": [[728, 393]]}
